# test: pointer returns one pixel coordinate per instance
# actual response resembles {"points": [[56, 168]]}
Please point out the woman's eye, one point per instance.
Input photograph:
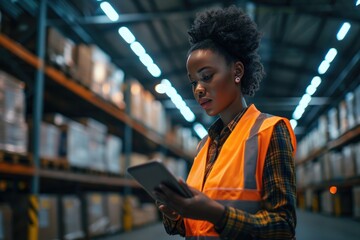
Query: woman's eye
{"points": [[193, 84], [206, 78]]}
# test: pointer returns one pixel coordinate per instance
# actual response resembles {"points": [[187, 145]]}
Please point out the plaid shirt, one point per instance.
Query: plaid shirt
{"points": [[277, 219]]}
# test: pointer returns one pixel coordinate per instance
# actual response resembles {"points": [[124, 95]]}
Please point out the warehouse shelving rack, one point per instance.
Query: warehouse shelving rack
{"points": [[32, 176], [343, 185]]}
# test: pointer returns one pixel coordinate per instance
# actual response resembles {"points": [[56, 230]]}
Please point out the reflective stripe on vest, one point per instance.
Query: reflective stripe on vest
{"points": [[251, 151]]}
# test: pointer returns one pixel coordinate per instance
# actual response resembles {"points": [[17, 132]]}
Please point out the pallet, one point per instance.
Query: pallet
{"points": [[88, 171], [54, 163], [15, 158]]}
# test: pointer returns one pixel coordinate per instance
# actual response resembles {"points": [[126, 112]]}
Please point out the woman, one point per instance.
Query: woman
{"points": [[242, 179]]}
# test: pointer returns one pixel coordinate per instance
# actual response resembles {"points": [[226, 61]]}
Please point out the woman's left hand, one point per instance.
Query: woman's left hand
{"points": [[199, 206]]}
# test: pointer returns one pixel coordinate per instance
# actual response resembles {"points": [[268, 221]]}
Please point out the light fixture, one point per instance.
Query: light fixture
{"points": [[137, 48], [154, 70], [343, 31], [316, 81], [188, 114], [160, 88], [200, 130], [146, 60], [324, 66], [310, 90], [357, 3], [109, 11], [298, 112], [293, 123], [305, 100], [331, 54], [127, 35]]}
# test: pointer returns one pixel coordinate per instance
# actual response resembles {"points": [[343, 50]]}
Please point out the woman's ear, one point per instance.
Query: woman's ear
{"points": [[239, 69]]}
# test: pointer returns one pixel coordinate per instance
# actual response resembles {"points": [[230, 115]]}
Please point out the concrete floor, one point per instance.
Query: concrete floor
{"points": [[310, 227]]}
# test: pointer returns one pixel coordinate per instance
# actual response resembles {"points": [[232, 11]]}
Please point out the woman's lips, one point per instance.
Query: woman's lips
{"points": [[205, 103]]}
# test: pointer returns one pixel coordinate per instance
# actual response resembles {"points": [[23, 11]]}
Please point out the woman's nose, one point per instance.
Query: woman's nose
{"points": [[199, 90]]}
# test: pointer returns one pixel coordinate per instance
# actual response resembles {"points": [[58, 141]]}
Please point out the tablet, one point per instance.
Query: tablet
{"points": [[149, 175]]}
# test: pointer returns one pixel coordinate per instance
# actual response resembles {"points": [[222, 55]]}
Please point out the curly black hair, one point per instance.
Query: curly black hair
{"points": [[232, 33]]}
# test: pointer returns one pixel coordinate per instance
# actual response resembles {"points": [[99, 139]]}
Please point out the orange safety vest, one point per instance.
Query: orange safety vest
{"points": [[236, 177]]}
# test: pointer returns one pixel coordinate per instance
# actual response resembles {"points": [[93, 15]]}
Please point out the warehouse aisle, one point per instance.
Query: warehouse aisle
{"points": [[311, 226]]}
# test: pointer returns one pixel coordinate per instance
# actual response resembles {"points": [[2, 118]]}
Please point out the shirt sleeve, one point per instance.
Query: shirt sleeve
{"points": [[174, 227], [277, 219]]}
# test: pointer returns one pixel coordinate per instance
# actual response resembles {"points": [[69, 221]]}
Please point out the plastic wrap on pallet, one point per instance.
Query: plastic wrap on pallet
{"points": [[50, 140], [114, 205], [6, 220], [333, 123], [356, 201], [12, 99], [357, 104], [72, 218], [97, 135], [113, 154], [13, 136], [97, 217], [356, 150], [349, 161], [48, 217], [74, 144], [327, 202], [350, 109]]}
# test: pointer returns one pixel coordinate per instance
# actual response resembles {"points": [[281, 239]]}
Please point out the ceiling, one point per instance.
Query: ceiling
{"points": [[297, 34]]}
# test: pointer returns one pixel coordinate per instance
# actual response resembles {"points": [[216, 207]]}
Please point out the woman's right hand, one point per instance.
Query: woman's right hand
{"points": [[167, 211]]}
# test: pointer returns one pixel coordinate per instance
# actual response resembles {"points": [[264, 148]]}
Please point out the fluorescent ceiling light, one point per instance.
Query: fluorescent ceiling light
{"points": [[109, 11], [331, 54], [187, 114], [126, 35], [343, 31], [305, 100], [137, 48], [310, 90], [160, 88], [316, 81], [200, 130], [358, 3], [154, 70], [293, 123], [146, 60], [324, 66], [298, 112]]}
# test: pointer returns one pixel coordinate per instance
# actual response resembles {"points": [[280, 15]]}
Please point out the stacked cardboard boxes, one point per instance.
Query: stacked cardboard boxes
{"points": [[13, 129]]}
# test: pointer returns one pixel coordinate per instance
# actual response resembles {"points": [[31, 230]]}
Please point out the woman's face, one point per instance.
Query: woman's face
{"points": [[213, 83]]}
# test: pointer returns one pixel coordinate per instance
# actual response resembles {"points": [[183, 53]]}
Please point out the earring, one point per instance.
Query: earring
{"points": [[237, 79]]}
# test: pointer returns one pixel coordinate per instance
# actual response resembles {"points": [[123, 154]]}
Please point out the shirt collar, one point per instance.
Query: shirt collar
{"points": [[216, 128]]}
